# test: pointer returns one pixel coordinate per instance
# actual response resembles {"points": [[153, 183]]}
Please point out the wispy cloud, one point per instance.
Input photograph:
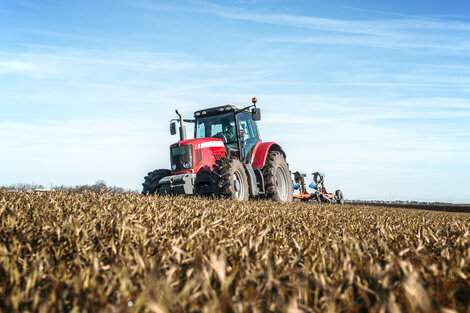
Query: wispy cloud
{"points": [[370, 27], [19, 67], [397, 33], [437, 44]]}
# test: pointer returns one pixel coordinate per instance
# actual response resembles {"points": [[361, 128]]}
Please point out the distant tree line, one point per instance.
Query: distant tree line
{"points": [[22, 186], [99, 186]]}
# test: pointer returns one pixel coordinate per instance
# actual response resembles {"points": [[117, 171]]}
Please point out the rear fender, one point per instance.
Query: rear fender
{"points": [[261, 150]]}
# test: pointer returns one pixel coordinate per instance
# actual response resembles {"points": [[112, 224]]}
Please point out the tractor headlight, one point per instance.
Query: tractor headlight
{"points": [[173, 167], [186, 164]]}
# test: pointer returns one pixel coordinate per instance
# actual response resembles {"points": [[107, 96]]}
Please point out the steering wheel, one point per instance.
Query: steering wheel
{"points": [[221, 136]]}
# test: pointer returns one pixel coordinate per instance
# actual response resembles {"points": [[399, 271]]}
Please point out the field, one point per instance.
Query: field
{"points": [[89, 252]]}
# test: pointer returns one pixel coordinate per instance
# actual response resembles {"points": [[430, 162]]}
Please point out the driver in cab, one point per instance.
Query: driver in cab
{"points": [[229, 131]]}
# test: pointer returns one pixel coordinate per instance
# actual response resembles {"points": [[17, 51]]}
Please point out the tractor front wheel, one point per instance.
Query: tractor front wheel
{"points": [[233, 181], [152, 179], [277, 178]]}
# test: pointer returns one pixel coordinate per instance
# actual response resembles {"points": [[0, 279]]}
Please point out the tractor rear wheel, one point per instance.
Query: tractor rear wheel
{"points": [[152, 179], [339, 197], [233, 181], [277, 178]]}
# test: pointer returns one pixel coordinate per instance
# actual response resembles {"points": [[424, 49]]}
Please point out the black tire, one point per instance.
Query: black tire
{"points": [[277, 178], [339, 197], [233, 181], [315, 197], [151, 181]]}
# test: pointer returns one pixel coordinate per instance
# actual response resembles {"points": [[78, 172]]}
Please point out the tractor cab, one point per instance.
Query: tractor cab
{"points": [[233, 124]]}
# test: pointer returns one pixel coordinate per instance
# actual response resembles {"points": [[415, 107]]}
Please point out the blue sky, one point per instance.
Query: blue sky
{"points": [[376, 94]]}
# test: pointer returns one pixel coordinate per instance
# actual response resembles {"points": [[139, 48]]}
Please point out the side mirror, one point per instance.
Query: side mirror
{"points": [[256, 114], [173, 128]]}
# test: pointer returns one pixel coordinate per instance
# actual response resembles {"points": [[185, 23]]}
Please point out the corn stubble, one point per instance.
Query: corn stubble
{"points": [[89, 252]]}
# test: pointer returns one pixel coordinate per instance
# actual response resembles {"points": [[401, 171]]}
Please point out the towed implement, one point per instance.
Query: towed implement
{"points": [[226, 158], [320, 195]]}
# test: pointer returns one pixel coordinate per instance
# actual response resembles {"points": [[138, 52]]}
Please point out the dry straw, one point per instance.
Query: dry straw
{"points": [[89, 252]]}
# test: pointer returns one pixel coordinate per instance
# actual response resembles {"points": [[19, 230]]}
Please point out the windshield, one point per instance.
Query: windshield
{"points": [[219, 124]]}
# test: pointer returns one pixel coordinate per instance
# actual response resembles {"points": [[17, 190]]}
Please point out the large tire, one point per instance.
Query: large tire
{"points": [[339, 197], [233, 181], [151, 181], [277, 178]]}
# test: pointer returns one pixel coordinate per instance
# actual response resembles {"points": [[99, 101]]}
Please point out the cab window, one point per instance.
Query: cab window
{"points": [[212, 125]]}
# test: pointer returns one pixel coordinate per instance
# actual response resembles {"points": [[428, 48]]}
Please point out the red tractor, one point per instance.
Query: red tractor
{"points": [[226, 158]]}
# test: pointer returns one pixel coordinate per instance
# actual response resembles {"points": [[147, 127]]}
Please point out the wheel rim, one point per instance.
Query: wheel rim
{"points": [[281, 182], [238, 185]]}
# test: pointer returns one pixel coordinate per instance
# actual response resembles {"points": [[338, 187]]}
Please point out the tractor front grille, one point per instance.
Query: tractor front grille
{"points": [[181, 157]]}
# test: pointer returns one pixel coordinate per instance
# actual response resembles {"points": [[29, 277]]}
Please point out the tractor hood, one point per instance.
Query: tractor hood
{"points": [[195, 155]]}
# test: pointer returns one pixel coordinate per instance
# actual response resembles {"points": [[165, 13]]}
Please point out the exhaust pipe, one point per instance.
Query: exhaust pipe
{"points": [[182, 127]]}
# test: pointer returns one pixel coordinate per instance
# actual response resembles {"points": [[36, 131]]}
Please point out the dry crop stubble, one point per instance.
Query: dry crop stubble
{"points": [[65, 251]]}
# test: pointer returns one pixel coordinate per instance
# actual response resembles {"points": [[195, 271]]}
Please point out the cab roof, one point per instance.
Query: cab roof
{"points": [[220, 110]]}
